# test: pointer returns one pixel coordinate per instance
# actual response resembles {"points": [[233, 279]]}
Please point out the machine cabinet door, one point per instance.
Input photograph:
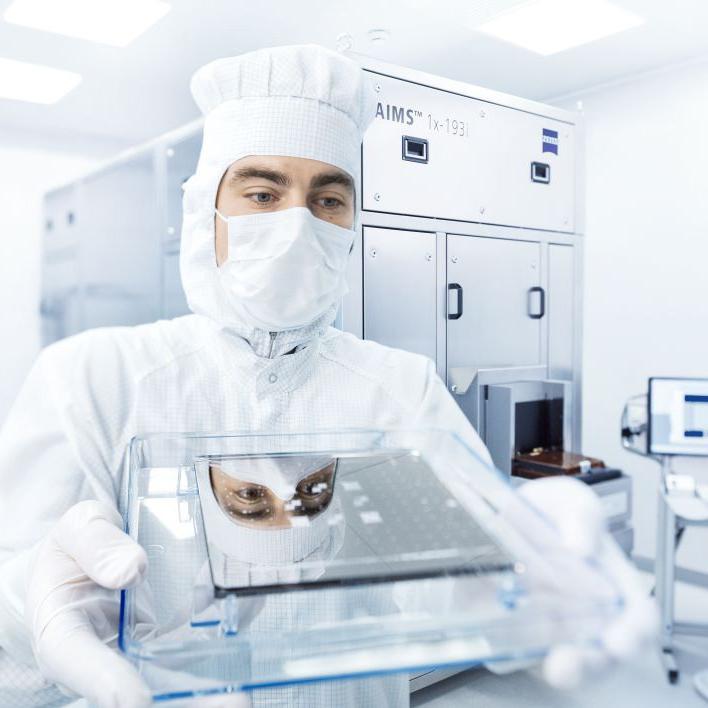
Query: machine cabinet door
{"points": [[561, 309], [60, 230], [399, 289], [119, 255], [174, 301], [180, 164], [58, 303], [181, 159], [58, 307], [497, 282]]}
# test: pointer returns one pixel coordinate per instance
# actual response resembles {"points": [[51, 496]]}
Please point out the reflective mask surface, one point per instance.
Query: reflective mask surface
{"points": [[285, 268], [260, 505]]}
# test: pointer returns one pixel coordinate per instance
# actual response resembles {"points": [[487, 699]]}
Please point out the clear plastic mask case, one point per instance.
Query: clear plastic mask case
{"points": [[279, 559]]}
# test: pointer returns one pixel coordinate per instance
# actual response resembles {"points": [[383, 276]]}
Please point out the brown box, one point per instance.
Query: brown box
{"points": [[545, 463]]}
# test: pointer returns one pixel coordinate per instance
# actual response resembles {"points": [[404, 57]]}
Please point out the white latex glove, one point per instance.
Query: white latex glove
{"points": [[72, 609], [577, 514]]}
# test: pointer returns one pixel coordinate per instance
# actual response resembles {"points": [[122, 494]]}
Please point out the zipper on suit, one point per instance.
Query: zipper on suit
{"points": [[273, 335]]}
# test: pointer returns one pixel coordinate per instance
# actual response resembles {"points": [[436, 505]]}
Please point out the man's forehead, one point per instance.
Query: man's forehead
{"points": [[286, 170]]}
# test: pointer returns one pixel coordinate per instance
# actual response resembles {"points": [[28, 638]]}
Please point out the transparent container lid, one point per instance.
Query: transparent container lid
{"points": [[283, 559]]}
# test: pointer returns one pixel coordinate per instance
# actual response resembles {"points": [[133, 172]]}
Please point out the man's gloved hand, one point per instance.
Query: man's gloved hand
{"points": [[72, 609], [577, 515]]}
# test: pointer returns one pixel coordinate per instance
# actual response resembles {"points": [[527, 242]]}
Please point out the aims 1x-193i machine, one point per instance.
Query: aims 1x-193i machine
{"points": [[471, 253]]}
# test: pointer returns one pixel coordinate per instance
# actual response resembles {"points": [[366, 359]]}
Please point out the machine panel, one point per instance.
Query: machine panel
{"points": [[58, 305], [497, 278], [60, 231], [399, 289], [434, 153], [174, 302], [59, 311], [561, 308], [181, 158], [119, 240]]}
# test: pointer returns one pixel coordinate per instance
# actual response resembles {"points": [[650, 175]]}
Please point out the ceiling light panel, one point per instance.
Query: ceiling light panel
{"points": [[113, 22], [21, 81], [551, 26]]}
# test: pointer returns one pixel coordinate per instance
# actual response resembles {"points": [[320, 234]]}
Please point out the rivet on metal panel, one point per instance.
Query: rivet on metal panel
{"points": [[482, 210], [377, 197], [453, 388], [428, 256], [378, 87], [170, 152], [372, 252], [453, 259], [344, 42], [482, 114]]}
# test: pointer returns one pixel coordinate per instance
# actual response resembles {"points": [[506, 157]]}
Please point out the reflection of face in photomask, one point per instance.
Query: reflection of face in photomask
{"points": [[256, 505]]}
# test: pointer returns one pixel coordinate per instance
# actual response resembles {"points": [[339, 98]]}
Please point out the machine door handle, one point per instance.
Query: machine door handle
{"points": [[536, 313], [458, 310]]}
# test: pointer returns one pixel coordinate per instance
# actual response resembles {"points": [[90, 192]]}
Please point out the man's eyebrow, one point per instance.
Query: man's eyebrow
{"points": [[244, 173], [335, 177]]}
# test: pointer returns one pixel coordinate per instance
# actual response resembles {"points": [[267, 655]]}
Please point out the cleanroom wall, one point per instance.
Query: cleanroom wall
{"points": [[29, 169], [646, 254]]}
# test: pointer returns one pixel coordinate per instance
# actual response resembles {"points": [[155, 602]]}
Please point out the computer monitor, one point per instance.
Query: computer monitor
{"points": [[678, 416]]}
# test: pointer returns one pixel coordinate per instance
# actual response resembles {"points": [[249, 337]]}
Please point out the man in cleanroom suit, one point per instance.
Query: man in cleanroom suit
{"points": [[269, 219]]}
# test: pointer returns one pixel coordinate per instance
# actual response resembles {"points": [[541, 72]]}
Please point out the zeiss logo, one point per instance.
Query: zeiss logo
{"points": [[397, 114], [550, 141]]}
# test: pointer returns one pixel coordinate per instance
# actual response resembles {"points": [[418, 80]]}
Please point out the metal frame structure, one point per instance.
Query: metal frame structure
{"points": [[668, 526]]}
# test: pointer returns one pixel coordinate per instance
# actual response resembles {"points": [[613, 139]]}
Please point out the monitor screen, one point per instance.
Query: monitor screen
{"points": [[678, 416]]}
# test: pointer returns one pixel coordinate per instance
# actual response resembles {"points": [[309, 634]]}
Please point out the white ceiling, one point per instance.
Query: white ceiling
{"points": [[133, 94]]}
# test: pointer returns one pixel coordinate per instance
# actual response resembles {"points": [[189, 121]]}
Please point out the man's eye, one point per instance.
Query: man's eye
{"points": [[261, 197], [250, 494], [330, 202]]}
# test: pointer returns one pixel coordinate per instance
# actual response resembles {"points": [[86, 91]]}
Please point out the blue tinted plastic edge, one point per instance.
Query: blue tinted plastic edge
{"points": [[121, 622], [248, 687]]}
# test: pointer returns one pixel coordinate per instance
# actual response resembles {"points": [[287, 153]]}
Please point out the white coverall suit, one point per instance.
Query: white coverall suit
{"points": [[88, 395]]}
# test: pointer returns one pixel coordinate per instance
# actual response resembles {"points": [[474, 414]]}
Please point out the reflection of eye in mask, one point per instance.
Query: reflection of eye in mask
{"points": [[274, 494], [287, 538]]}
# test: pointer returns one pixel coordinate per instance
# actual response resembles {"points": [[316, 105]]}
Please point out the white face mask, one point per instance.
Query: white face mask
{"points": [[285, 268]]}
